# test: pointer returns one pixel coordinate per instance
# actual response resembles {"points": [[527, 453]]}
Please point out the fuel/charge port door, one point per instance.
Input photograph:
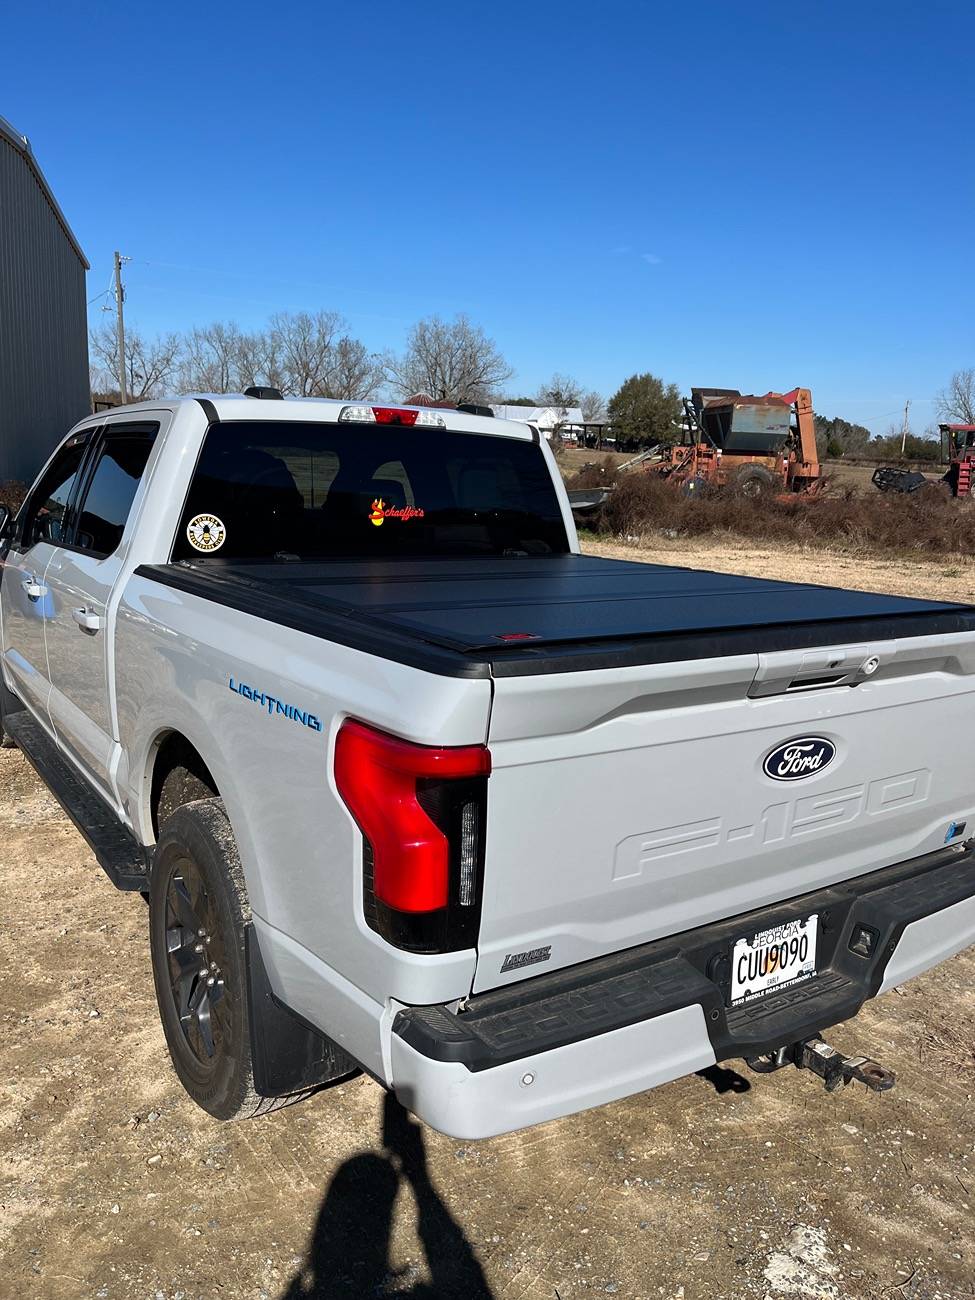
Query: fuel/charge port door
{"points": [[789, 672]]}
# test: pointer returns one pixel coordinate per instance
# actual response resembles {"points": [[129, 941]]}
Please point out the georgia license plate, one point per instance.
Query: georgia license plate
{"points": [[773, 959]]}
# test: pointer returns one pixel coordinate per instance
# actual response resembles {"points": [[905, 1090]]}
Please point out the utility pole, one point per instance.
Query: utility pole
{"points": [[907, 407], [119, 295]]}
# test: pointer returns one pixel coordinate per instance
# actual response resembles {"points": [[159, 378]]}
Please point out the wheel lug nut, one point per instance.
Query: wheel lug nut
{"points": [[198, 947], [202, 934], [214, 966], [210, 982]]}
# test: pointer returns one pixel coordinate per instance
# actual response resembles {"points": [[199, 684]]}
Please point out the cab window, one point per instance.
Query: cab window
{"points": [[107, 500], [44, 515]]}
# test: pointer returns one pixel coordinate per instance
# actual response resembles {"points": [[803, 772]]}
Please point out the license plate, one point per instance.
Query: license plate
{"points": [[773, 959]]}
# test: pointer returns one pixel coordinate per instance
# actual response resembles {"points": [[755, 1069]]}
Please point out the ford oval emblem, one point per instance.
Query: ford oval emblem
{"points": [[804, 756]]}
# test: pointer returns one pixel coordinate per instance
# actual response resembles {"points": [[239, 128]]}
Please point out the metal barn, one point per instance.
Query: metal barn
{"points": [[43, 322]]}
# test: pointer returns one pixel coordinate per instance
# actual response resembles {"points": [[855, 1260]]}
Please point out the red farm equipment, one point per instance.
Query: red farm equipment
{"points": [[749, 444]]}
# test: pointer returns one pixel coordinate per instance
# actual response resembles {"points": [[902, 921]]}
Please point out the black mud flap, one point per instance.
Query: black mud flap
{"points": [[289, 1055]]}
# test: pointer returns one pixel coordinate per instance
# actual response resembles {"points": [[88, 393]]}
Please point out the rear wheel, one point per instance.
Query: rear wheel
{"points": [[753, 481], [198, 917]]}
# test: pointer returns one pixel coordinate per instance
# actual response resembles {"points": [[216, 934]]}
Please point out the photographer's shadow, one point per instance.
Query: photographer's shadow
{"points": [[349, 1253]]}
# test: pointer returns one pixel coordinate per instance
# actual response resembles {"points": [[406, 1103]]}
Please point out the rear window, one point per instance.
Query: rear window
{"points": [[314, 491]]}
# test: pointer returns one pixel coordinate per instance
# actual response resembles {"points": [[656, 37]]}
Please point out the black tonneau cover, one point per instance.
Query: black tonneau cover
{"points": [[524, 614]]}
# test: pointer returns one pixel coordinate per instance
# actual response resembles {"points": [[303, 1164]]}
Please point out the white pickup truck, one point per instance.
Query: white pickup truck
{"points": [[414, 787]]}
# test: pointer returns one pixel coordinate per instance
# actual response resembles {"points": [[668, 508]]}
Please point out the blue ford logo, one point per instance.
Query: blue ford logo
{"points": [[804, 756]]}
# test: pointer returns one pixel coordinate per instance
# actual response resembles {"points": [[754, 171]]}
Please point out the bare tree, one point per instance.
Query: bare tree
{"points": [[306, 344], [150, 365], [211, 359], [956, 403], [356, 372], [561, 391], [259, 361], [453, 361], [593, 407]]}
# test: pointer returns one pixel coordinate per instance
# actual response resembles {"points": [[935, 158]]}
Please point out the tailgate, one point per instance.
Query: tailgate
{"points": [[634, 803]]}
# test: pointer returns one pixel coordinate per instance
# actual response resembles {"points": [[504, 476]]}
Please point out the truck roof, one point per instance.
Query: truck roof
{"points": [[230, 407]]}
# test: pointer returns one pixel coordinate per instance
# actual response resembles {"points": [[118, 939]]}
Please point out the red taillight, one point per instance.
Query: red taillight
{"points": [[394, 415], [421, 812], [402, 415]]}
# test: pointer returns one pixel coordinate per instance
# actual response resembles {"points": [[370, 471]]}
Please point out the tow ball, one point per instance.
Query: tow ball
{"points": [[835, 1069]]}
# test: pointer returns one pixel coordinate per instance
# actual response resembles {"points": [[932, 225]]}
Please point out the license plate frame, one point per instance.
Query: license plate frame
{"points": [[768, 961]]}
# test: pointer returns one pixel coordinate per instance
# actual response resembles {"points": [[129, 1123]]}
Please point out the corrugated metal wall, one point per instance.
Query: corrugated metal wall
{"points": [[43, 323]]}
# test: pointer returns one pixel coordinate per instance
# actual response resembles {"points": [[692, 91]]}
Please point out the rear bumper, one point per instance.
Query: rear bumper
{"points": [[593, 1033]]}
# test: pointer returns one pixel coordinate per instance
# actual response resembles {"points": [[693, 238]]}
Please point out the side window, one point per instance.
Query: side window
{"points": [[43, 515], [104, 509]]}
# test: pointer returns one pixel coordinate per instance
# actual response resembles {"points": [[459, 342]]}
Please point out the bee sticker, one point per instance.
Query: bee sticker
{"points": [[206, 533]]}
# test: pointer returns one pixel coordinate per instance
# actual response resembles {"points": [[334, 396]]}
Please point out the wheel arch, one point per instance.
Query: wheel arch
{"points": [[170, 754], [184, 739]]}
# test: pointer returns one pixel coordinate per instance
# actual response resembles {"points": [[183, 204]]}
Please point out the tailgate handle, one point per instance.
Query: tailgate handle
{"points": [[818, 683], [790, 672]]}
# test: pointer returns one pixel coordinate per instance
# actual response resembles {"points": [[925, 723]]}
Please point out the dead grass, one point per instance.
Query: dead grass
{"points": [[599, 472], [926, 524], [12, 494]]}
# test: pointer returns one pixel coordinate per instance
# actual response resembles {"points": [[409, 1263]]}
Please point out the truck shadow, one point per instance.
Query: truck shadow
{"points": [[349, 1252], [724, 1080]]}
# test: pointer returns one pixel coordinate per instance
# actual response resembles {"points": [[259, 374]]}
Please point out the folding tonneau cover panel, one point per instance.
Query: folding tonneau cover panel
{"points": [[518, 615], [515, 613]]}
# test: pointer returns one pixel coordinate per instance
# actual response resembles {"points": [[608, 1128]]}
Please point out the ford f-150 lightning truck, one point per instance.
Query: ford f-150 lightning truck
{"points": [[412, 786]]}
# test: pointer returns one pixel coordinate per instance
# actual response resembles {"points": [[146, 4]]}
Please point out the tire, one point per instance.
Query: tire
{"points": [[197, 883], [753, 481]]}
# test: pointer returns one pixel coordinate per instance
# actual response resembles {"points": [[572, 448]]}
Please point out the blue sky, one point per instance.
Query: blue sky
{"points": [[751, 195]]}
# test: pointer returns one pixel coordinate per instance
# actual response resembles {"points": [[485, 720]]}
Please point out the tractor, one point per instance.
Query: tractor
{"points": [[751, 445], [957, 450]]}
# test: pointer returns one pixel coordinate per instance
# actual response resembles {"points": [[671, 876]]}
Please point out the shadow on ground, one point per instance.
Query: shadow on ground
{"points": [[349, 1251], [724, 1080]]}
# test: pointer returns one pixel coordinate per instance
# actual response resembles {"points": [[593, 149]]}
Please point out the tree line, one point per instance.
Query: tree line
{"points": [[314, 354]]}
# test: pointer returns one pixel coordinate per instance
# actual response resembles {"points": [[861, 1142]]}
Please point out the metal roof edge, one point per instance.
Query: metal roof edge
{"points": [[22, 145]]}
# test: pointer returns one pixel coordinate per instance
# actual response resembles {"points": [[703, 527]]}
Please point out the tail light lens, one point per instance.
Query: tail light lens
{"points": [[421, 810], [403, 415]]}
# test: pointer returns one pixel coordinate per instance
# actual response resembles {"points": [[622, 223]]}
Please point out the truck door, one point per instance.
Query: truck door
{"points": [[25, 601], [80, 580]]}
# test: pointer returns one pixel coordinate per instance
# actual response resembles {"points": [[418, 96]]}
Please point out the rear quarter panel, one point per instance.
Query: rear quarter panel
{"points": [[301, 852]]}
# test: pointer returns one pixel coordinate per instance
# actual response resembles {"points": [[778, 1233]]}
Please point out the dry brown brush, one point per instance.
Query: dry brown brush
{"points": [[929, 522], [12, 494]]}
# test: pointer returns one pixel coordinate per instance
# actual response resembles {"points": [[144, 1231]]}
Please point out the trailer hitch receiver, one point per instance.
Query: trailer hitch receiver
{"points": [[835, 1069]]}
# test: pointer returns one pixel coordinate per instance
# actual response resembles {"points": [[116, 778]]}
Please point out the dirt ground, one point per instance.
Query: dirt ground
{"points": [[113, 1185], [951, 579]]}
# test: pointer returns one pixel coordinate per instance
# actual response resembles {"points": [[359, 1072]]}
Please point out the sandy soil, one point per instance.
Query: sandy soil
{"points": [[952, 579], [113, 1185]]}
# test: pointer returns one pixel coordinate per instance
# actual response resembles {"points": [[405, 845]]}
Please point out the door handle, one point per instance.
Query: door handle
{"points": [[87, 621], [33, 589]]}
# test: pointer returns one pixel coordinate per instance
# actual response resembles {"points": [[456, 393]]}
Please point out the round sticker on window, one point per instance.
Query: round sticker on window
{"points": [[206, 533]]}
